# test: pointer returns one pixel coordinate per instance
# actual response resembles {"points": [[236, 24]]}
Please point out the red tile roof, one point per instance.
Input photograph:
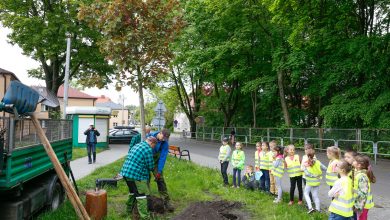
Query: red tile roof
{"points": [[74, 93], [103, 99]]}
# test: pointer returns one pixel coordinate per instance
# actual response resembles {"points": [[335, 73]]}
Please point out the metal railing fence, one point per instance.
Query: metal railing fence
{"points": [[374, 142]]}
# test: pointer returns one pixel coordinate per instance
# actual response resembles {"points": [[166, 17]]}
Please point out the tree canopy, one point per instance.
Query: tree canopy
{"points": [[39, 27]]}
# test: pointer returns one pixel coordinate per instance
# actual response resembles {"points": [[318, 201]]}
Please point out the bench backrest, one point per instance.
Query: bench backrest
{"points": [[174, 148]]}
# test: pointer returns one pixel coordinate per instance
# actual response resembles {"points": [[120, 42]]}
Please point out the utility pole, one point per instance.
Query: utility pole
{"points": [[66, 83], [122, 100]]}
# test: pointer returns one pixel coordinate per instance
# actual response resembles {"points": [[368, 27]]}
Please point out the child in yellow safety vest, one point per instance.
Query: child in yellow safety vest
{"points": [[362, 186], [265, 166], [278, 171], [257, 156], [333, 154], [223, 157], [238, 161], [272, 188], [248, 179], [341, 207], [313, 172], [349, 156], [293, 166]]}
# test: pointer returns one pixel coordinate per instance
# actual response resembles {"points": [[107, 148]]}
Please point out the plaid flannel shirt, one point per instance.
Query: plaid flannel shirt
{"points": [[139, 162], [134, 140]]}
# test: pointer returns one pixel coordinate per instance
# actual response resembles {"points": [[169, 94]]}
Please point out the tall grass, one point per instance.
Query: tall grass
{"points": [[187, 183]]}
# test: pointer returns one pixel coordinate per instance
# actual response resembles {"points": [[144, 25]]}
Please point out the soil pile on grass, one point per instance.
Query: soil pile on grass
{"points": [[215, 210]]}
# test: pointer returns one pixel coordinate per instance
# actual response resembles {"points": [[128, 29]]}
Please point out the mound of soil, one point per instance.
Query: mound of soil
{"points": [[215, 210], [156, 205]]}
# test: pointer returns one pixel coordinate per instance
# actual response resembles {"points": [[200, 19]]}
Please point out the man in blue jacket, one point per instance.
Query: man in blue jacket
{"points": [[160, 153], [91, 141]]}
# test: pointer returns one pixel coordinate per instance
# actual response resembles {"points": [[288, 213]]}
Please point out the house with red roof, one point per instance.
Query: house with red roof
{"points": [[75, 98]]}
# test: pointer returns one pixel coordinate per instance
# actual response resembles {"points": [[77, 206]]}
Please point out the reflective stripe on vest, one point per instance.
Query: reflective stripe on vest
{"points": [[257, 161], [223, 152], [369, 202], [331, 177], [343, 205], [278, 171], [265, 161], [314, 170], [293, 166]]}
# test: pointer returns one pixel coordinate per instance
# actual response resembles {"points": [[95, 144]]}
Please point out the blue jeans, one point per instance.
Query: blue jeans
{"points": [[264, 180], [236, 176], [334, 216], [91, 148]]}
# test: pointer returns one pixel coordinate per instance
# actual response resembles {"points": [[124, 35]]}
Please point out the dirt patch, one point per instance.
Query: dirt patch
{"points": [[214, 210]]}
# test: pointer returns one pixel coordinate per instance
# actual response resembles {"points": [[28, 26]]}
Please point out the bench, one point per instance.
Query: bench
{"points": [[175, 151]]}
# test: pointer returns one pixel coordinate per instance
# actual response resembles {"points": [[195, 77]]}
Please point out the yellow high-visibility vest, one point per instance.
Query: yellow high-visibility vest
{"points": [[279, 170], [223, 150], [343, 204], [265, 160], [331, 177], [314, 170], [293, 166], [361, 174], [257, 159]]}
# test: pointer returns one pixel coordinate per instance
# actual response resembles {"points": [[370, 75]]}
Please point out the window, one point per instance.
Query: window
{"points": [[115, 124], [126, 132], [44, 108]]}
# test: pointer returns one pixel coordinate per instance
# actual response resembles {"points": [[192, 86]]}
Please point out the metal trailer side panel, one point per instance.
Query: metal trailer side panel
{"points": [[29, 162]]}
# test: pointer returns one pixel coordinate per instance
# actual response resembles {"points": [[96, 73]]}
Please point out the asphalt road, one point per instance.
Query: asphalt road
{"points": [[206, 153]]}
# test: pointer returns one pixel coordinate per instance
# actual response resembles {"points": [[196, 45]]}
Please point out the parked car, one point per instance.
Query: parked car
{"points": [[121, 135]]}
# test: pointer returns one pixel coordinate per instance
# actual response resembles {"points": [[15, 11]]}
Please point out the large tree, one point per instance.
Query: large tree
{"points": [[136, 38], [39, 27]]}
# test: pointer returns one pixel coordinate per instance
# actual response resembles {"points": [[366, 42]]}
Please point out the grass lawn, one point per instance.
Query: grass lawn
{"points": [[187, 183], [82, 152]]}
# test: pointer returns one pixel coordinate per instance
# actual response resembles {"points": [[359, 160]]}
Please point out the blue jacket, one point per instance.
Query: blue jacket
{"points": [[162, 148], [94, 136]]}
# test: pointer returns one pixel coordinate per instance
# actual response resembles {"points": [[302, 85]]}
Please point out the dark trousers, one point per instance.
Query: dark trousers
{"points": [[91, 150], [236, 177], [265, 180], [224, 167], [161, 185], [296, 181]]}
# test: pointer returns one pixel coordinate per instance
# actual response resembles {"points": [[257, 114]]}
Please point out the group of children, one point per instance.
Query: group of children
{"points": [[349, 179]]}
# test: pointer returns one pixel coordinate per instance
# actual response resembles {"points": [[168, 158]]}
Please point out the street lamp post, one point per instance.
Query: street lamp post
{"points": [[66, 83]]}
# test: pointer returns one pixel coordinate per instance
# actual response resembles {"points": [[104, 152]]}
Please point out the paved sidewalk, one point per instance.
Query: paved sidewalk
{"points": [[206, 153], [81, 168]]}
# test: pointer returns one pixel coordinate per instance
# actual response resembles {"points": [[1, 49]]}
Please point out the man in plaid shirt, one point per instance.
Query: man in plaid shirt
{"points": [[136, 171]]}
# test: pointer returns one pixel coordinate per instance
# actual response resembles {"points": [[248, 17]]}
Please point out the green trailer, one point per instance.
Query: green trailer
{"points": [[28, 182]]}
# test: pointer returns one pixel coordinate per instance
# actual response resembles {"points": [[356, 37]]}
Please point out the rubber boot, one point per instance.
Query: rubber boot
{"points": [[94, 157], [89, 158]]}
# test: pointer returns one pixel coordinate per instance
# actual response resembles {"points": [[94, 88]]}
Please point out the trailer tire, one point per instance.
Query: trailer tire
{"points": [[57, 197]]}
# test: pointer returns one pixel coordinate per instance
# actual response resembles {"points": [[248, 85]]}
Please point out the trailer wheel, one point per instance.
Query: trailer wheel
{"points": [[58, 197]]}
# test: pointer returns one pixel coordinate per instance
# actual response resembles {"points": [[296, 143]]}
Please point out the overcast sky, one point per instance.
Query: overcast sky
{"points": [[12, 59]]}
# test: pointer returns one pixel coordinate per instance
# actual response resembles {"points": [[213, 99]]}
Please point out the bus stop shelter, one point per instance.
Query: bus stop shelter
{"points": [[82, 117]]}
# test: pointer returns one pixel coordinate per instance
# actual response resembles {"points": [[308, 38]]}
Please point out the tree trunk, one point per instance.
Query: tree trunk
{"points": [[192, 127], [282, 97], [254, 106], [141, 102]]}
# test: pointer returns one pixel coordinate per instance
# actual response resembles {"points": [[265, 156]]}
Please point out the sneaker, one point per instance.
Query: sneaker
{"points": [[311, 211], [233, 186], [277, 201], [89, 162], [291, 203], [300, 202]]}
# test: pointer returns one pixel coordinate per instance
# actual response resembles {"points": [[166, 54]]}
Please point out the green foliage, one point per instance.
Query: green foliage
{"points": [[331, 60], [187, 183], [39, 27]]}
